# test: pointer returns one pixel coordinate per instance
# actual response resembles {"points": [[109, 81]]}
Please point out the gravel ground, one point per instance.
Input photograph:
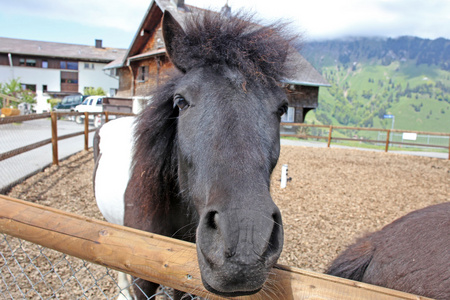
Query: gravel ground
{"points": [[335, 196]]}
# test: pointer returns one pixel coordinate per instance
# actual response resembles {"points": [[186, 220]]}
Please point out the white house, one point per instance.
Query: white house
{"points": [[54, 70]]}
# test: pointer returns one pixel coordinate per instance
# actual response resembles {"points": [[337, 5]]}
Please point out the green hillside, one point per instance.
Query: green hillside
{"points": [[373, 79]]}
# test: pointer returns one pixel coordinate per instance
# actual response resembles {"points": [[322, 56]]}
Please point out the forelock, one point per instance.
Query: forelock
{"points": [[211, 39]]}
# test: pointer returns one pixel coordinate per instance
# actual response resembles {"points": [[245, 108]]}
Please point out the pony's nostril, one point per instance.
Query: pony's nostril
{"points": [[211, 220], [276, 237]]}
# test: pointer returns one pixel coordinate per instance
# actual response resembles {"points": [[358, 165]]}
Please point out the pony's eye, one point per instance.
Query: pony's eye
{"points": [[179, 101], [282, 109]]}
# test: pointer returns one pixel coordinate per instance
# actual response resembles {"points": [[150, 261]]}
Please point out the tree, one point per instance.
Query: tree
{"points": [[14, 89], [11, 88], [94, 91]]}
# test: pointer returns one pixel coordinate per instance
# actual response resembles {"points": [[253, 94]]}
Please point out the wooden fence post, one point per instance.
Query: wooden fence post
{"points": [[329, 136], [86, 131], [106, 117], [449, 147], [387, 140], [54, 118]]}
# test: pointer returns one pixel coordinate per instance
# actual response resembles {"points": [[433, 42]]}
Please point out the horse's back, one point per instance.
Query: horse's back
{"points": [[412, 254], [113, 152]]}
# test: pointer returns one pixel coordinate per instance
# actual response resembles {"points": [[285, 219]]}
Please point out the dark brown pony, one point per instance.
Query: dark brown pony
{"points": [[205, 148], [412, 254]]}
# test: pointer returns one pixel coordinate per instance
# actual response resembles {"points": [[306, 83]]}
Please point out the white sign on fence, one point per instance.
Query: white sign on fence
{"points": [[410, 136]]}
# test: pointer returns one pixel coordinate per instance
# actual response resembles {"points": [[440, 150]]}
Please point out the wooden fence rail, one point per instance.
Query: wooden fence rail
{"points": [[160, 259], [386, 141]]}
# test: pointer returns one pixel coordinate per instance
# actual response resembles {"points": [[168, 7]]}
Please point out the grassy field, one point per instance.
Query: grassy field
{"points": [[361, 94]]}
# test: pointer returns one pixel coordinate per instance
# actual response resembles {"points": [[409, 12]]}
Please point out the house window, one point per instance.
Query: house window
{"points": [[112, 92], [27, 62], [44, 88], [44, 64], [89, 66], [70, 65], [72, 81], [31, 62], [31, 87], [289, 116], [142, 74]]}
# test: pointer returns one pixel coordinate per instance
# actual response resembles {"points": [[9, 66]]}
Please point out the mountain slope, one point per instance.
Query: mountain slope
{"points": [[407, 77]]}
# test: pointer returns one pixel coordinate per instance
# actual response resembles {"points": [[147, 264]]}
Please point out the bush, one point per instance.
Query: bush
{"points": [[53, 102]]}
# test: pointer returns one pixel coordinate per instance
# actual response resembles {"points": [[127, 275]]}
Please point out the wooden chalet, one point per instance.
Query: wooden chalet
{"points": [[146, 64]]}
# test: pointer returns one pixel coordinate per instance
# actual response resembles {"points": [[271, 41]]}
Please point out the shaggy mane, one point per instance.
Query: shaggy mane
{"points": [[212, 39]]}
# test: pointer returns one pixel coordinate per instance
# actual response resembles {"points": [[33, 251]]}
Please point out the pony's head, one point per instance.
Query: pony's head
{"points": [[228, 103]]}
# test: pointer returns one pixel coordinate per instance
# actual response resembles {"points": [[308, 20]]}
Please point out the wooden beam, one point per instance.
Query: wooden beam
{"points": [[160, 259], [330, 130], [86, 131], [54, 125], [386, 148], [24, 149], [17, 119]]}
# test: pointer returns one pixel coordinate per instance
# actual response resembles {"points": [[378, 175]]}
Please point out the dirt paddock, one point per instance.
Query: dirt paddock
{"points": [[335, 195]]}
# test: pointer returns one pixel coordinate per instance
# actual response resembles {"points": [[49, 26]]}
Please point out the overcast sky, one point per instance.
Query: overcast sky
{"points": [[116, 21]]}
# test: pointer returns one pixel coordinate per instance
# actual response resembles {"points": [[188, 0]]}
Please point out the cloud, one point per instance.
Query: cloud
{"points": [[331, 19], [100, 13], [388, 18], [319, 18]]}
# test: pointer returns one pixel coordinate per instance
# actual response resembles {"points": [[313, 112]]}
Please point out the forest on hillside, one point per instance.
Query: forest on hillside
{"points": [[380, 50]]}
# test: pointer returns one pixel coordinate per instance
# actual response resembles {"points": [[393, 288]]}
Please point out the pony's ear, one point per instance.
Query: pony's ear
{"points": [[172, 28]]}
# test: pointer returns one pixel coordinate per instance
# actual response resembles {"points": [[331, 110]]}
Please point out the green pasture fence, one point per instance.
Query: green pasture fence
{"points": [[391, 137]]}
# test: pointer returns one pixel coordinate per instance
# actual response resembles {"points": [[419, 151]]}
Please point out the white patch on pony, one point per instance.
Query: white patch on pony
{"points": [[124, 283], [113, 171]]}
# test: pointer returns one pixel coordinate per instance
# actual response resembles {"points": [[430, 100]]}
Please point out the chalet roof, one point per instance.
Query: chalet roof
{"points": [[148, 54], [60, 50], [303, 72]]}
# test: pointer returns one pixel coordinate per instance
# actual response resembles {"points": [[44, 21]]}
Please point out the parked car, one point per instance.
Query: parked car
{"points": [[68, 103], [92, 104]]}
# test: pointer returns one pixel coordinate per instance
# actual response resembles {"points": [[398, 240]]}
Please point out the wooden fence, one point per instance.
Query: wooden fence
{"points": [[54, 128], [386, 142], [55, 138], [160, 259], [150, 256]]}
